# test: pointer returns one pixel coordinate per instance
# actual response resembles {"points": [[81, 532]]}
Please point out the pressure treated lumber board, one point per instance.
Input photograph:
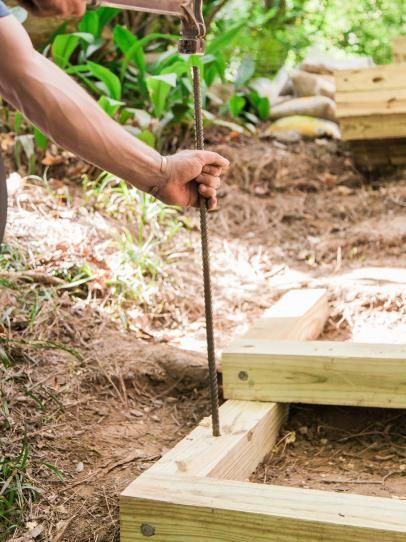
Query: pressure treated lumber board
{"points": [[399, 49], [299, 315], [326, 373], [376, 102], [189, 509], [248, 432], [387, 77], [371, 102], [373, 127]]}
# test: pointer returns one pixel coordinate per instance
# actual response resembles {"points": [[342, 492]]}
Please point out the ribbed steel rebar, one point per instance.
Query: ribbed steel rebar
{"points": [[213, 382]]}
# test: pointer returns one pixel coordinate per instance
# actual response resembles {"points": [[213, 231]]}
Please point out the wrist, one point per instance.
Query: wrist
{"points": [[162, 178]]}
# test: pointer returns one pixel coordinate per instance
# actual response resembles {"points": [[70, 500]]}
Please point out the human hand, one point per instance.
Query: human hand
{"points": [[54, 8], [190, 174]]}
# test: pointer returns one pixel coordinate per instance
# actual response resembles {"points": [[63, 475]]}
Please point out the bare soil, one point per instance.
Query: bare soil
{"points": [[290, 216], [351, 450]]}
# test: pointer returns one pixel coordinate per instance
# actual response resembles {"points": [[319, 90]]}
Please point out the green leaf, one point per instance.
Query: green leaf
{"points": [[63, 47], [263, 108], [159, 87], [110, 105], [90, 23], [123, 38], [136, 52], [105, 16], [125, 116], [41, 139], [216, 45], [110, 81], [147, 137], [261, 105], [55, 471], [179, 68], [236, 104], [85, 36], [245, 71], [18, 119]]}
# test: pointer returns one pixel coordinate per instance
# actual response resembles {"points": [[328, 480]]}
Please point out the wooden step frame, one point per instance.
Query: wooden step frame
{"points": [[193, 498], [198, 492]]}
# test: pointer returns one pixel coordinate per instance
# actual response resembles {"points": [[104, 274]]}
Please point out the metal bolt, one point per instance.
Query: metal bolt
{"points": [[243, 375], [147, 530]]}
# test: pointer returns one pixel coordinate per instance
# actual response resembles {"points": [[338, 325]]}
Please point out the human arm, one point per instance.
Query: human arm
{"points": [[68, 115]]}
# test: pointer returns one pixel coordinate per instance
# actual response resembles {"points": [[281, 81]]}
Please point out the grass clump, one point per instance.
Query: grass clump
{"points": [[16, 490]]}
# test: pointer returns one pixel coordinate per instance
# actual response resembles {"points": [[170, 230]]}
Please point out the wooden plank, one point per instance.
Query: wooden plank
{"points": [[399, 49], [299, 315], [373, 127], [382, 102], [326, 373], [185, 509], [248, 432], [387, 77]]}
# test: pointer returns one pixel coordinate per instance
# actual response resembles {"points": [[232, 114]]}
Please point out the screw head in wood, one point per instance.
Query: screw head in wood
{"points": [[147, 530], [243, 375]]}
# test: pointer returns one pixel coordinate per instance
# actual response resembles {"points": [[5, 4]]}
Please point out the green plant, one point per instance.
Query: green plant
{"points": [[16, 489], [132, 73]]}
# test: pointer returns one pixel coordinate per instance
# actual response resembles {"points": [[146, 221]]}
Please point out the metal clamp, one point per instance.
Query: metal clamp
{"points": [[189, 11], [193, 28]]}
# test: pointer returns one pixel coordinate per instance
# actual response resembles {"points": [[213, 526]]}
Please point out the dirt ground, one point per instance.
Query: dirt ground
{"points": [[351, 450], [289, 216]]}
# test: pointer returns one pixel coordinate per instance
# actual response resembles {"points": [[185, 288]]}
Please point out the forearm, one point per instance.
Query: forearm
{"points": [[64, 111]]}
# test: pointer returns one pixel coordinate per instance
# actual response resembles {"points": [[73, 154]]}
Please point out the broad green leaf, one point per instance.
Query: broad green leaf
{"points": [[106, 15], [136, 52], [236, 105], [90, 23], [147, 137], [41, 139], [210, 74], [125, 116], [110, 105], [180, 68], [63, 47], [93, 47], [85, 36], [159, 87], [245, 71], [261, 104], [123, 38], [110, 80], [216, 45], [263, 108]]}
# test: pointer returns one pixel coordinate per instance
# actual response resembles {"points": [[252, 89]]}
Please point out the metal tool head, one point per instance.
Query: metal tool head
{"points": [[189, 11], [193, 28]]}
